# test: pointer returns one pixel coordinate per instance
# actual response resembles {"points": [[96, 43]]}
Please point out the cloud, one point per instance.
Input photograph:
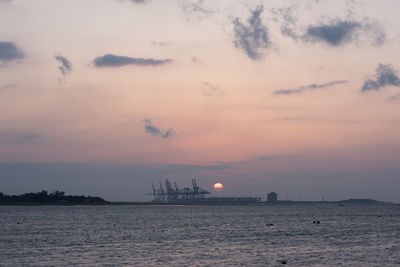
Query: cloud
{"points": [[19, 138], [66, 65], [110, 60], [395, 97], [385, 76], [162, 44], [10, 52], [195, 11], [341, 32], [8, 86], [211, 89], [313, 86], [265, 158], [334, 34], [152, 129], [254, 38], [278, 119], [312, 119], [195, 60], [140, 1], [289, 20]]}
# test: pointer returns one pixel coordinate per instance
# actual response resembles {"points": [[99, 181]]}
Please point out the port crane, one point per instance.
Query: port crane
{"points": [[171, 194]]}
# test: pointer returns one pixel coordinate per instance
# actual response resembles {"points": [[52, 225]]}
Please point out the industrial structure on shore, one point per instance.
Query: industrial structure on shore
{"points": [[192, 195], [170, 195]]}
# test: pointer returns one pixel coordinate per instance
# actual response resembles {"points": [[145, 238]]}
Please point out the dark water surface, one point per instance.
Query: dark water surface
{"points": [[365, 235]]}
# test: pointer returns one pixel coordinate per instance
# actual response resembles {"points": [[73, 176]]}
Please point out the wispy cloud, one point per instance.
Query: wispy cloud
{"points": [[211, 89], [66, 65], [10, 52], [253, 38], [333, 32], [312, 120], [289, 20], [154, 130], [195, 10], [303, 88], [140, 1], [194, 60], [385, 76], [395, 97], [277, 119], [19, 138], [265, 158], [162, 44], [8, 86], [110, 60]]}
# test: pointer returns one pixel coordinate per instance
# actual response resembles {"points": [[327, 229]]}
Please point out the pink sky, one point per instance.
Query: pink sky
{"points": [[263, 96]]}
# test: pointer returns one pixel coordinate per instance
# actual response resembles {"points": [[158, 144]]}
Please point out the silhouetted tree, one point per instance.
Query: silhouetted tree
{"points": [[43, 197]]}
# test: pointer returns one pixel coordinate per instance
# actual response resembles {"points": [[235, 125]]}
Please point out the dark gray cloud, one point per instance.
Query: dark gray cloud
{"points": [[10, 52], [313, 86], [341, 32], [154, 130], [66, 65], [211, 89], [253, 38], [333, 32], [110, 60], [385, 76], [336, 33]]}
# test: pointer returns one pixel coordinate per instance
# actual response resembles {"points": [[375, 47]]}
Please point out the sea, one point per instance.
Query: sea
{"points": [[265, 235]]}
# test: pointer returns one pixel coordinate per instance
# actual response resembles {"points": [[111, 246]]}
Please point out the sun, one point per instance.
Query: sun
{"points": [[218, 187]]}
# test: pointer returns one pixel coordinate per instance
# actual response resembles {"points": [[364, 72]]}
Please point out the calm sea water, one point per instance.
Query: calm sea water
{"points": [[200, 235]]}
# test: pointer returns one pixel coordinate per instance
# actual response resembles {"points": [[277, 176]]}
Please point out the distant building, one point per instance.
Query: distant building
{"points": [[272, 196]]}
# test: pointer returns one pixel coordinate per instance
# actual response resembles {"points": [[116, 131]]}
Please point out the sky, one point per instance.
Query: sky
{"points": [[104, 97]]}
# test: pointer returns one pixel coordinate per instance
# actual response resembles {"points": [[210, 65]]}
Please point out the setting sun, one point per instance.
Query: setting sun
{"points": [[218, 187]]}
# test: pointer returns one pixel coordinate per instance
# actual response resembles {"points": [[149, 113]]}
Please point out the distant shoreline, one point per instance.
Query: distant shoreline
{"points": [[59, 198], [149, 203], [265, 203], [44, 198]]}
